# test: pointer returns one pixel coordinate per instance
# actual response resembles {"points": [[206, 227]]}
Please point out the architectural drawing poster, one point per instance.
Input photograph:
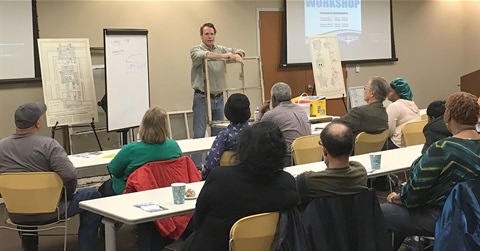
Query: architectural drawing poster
{"points": [[67, 79]]}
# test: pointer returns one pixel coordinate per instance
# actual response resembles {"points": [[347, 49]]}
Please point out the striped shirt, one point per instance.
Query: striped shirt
{"points": [[445, 163]]}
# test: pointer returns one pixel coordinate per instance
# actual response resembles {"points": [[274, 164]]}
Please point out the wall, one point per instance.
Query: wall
{"points": [[436, 42], [471, 35], [430, 47]]}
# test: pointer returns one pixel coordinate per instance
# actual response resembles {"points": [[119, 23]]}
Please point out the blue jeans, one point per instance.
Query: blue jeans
{"points": [[200, 119], [89, 223], [403, 222]]}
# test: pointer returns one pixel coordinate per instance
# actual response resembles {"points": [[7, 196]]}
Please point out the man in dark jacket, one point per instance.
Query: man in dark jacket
{"points": [[372, 117], [435, 129]]}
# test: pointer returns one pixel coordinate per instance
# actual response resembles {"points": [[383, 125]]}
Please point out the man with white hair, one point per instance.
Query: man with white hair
{"points": [[289, 117]]}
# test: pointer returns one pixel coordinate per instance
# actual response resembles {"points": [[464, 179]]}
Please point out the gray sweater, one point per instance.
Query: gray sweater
{"points": [[35, 153]]}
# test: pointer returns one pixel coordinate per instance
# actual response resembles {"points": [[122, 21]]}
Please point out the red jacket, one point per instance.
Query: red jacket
{"points": [[159, 174]]}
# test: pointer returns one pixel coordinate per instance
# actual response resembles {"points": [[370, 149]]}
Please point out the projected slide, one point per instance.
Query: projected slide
{"points": [[340, 17], [363, 28]]}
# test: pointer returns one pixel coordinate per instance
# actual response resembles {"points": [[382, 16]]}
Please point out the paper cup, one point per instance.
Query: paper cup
{"points": [[178, 190], [375, 160]]}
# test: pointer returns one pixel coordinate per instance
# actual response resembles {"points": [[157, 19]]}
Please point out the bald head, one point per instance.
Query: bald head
{"points": [[337, 139]]}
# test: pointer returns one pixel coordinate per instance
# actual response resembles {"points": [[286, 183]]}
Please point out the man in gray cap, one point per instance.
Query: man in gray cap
{"points": [[26, 151]]}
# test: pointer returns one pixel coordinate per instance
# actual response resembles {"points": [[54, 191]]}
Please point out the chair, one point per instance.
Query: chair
{"points": [[412, 133], [158, 174], [306, 149], [346, 222], [228, 159], [33, 193], [367, 142], [255, 232]]}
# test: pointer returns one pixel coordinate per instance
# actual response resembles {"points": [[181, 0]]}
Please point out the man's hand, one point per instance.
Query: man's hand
{"points": [[394, 198], [235, 57], [265, 107]]}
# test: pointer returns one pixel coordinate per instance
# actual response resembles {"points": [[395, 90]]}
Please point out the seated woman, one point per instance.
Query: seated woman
{"points": [[154, 146], [446, 162], [237, 111], [256, 185], [435, 129], [400, 112]]}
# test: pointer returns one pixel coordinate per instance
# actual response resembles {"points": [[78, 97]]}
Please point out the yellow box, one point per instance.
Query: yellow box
{"points": [[318, 108]]}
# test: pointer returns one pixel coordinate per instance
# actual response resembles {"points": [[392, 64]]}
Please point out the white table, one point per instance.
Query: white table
{"points": [[96, 163], [317, 128], [120, 209], [393, 161]]}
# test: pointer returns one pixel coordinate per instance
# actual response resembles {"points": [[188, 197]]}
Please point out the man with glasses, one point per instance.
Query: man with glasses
{"points": [[342, 177], [372, 117]]}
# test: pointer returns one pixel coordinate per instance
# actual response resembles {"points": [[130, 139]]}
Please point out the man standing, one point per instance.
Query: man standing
{"points": [[342, 177], [216, 73], [289, 117], [25, 151], [372, 117]]}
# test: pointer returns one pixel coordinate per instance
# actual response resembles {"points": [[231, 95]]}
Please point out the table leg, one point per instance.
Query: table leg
{"points": [[110, 229]]}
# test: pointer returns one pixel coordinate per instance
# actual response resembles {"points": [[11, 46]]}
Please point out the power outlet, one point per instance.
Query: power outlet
{"points": [[357, 68]]}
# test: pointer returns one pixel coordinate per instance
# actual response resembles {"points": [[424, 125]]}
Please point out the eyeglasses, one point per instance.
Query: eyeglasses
{"points": [[320, 143]]}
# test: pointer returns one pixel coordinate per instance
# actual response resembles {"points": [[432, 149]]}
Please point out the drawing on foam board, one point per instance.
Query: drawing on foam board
{"points": [[327, 68], [67, 79]]}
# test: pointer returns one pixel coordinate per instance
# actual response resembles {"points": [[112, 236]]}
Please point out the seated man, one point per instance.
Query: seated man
{"points": [[25, 151], [435, 129], [342, 177], [289, 117], [372, 117], [237, 111]]}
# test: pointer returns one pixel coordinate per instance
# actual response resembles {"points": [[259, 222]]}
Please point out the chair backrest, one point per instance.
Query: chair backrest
{"points": [[158, 174], [346, 222], [412, 133], [367, 142], [424, 117], [31, 192], [306, 149], [255, 232], [228, 159]]}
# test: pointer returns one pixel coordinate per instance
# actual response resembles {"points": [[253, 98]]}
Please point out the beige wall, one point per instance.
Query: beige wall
{"points": [[436, 42]]}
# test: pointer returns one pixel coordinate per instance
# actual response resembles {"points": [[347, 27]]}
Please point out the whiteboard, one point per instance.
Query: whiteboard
{"points": [[126, 77]]}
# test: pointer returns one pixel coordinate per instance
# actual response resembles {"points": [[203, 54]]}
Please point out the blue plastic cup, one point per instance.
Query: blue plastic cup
{"points": [[178, 190], [375, 160]]}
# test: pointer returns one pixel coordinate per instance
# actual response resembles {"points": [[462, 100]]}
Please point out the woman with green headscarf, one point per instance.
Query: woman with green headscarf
{"points": [[401, 111]]}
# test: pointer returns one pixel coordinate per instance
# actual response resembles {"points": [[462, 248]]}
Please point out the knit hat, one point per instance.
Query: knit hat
{"points": [[402, 88], [28, 114], [237, 108]]}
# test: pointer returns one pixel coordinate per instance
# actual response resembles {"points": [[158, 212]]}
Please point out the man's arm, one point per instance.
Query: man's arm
{"points": [[197, 54], [351, 119], [61, 165]]}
